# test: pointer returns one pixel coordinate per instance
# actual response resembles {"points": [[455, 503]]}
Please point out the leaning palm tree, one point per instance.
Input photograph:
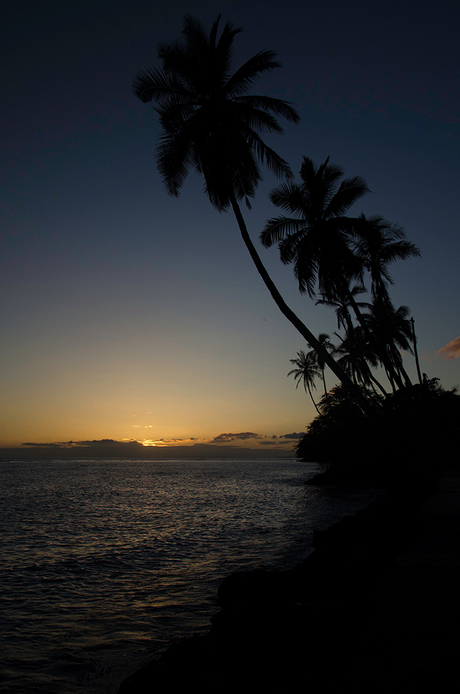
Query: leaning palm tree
{"points": [[341, 305], [211, 124], [377, 244], [414, 342], [306, 372], [356, 355], [324, 340], [392, 331], [316, 236]]}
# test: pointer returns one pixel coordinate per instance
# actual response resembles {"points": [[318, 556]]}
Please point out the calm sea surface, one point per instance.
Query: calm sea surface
{"points": [[104, 562]]}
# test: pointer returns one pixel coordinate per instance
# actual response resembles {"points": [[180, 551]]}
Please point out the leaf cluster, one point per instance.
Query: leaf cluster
{"points": [[209, 121], [389, 444]]}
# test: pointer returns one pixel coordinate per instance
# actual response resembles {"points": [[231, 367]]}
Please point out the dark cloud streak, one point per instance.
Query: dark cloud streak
{"points": [[241, 436]]}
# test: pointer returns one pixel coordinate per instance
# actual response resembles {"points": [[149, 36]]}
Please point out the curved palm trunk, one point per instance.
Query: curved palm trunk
{"points": [[414, 342], [378, 384], [392, 373], [313, 399], [291, 316], [392, 381], [400, 366]]}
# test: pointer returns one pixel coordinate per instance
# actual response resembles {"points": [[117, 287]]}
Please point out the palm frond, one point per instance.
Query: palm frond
{"points": [[198, 98], [268, 156], [250, 72], [256, 119], [175, 156], [278, 228], [278, 107], [157, 85], [350, 190], [289, 196]]}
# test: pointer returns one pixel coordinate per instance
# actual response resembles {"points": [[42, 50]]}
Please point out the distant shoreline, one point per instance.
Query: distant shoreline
{"points": [[147, 453]]}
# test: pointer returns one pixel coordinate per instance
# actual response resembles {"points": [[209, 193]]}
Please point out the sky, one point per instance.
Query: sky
{"points": [[133, 321]]}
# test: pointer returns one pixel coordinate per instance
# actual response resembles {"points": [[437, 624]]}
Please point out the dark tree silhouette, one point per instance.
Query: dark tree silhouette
{"points": [[341, 305], [325, 341], [392, 331], [414, 342], [377, 244], [306, 372], [211, 124], [357, 356], [316, 237], [329, 249]]}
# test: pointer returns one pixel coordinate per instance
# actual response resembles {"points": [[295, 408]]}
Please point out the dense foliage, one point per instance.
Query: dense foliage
{"points": [[414, 431], [211, 123]]}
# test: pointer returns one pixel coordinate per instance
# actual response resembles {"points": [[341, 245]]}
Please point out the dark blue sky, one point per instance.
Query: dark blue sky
{"points": [[129, 314]]}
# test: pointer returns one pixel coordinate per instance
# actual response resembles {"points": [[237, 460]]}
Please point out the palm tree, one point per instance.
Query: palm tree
{"points": [[325, 341], [357, 356], [306, 372], [210, 123], [341, 305], [379, 243], [414, 342], [392, 331], [316, 237]]}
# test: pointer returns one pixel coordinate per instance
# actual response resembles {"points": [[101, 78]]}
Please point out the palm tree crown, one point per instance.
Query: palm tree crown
{"points": [[379, 243], [306, 372], [316, 237], [209, 122]]}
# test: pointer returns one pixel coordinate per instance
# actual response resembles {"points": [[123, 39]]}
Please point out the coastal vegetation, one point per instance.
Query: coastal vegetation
{"points": [[213, 125], [410, 434], [406, 428]]}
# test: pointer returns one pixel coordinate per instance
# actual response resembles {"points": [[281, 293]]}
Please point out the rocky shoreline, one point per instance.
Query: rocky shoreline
{"points": [[353, 617]]}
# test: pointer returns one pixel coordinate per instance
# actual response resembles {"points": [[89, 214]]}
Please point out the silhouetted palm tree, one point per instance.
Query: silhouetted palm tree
{"points": [[414, 342], [392, 331], [341, 305], [325, 341], [208, 120], [316, 236], [306, 372], [357, 356], [379, 243], [210, 123]]}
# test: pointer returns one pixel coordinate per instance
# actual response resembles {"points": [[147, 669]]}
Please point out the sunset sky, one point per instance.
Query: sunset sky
{"points": [[130, 316]]}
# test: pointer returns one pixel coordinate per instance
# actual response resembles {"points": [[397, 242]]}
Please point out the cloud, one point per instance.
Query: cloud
{"points": [[292, 436], [451, 350], [241, 436]]}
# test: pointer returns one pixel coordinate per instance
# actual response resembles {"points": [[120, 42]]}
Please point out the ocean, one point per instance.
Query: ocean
{"points": [[104, 563]]}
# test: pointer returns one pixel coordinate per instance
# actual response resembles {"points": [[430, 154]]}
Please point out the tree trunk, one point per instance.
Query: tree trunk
{"points": [[380, 350], [354, 390], [414, 342], [378, 384], [324, 381], [313, 400]]}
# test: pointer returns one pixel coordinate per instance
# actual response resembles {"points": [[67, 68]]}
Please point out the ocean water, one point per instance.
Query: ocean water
{"points": [[103, 563]]}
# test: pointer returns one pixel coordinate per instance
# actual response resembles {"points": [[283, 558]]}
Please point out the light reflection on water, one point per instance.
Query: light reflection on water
{"points": [[103, 562]]}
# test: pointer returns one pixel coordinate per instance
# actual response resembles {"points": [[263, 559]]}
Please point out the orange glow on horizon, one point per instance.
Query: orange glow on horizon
{"points": [[150, 443]]}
